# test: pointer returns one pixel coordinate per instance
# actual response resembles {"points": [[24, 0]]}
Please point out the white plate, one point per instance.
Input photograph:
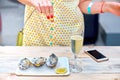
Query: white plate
{"points": [[44, 70]]}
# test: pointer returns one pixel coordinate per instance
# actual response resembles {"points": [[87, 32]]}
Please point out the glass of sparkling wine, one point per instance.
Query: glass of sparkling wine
{"points": [[76, 46]]}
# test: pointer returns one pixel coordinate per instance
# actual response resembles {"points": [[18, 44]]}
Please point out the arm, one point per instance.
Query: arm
{"points": [[43, 6], [25, 2], [112, 7], [96, 7]]}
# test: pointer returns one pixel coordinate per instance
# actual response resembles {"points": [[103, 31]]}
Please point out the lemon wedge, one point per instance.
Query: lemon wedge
{"points": [[61, 70]]}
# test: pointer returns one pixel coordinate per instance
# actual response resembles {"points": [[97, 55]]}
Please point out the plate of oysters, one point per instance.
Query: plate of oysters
{"points": [[42, 66]]}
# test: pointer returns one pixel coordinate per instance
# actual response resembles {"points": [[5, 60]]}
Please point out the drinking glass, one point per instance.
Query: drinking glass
{"points": [[76, 46]]}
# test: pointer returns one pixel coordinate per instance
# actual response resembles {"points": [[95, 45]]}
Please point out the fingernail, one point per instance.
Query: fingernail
{"points": [[48, 17], [51, 16]]}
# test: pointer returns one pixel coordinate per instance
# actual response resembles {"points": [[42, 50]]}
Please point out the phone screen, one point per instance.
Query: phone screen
{"points": [[96, 54]]}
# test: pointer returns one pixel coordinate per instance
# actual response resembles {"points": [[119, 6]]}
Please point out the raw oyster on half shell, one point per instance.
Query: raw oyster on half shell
{"points": [[52, 61], [38, 61], [24, 64]]}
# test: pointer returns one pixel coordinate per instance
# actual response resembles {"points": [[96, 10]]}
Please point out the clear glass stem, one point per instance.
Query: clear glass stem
{"points": [[75, 58]]}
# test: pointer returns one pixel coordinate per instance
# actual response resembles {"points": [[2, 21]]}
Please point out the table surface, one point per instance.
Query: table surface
{"points": [[9, 55]]}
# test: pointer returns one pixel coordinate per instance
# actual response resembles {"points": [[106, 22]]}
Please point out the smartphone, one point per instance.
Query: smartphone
{"points": [[97, 56]]}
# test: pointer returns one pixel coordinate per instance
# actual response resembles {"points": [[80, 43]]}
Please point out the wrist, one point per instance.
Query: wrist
{"points": [[30, 3], [104, 7], [89, 7]]}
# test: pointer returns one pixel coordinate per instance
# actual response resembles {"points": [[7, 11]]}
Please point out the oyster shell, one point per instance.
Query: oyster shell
{"points": [[24, 64], [52, 61], [38, 61]]}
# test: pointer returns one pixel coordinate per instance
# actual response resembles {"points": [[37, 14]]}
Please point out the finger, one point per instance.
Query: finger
{"points": [[48, 12], [50, 9], [39, 8], [47, 9], [51, 12], [36, 5], [42, 7]]}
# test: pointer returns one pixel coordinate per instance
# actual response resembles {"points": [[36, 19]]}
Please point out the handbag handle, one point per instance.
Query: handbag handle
{"points": [[20, 33], [29, 17]]}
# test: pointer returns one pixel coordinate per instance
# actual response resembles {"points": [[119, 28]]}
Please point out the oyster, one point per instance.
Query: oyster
{"points": [[52, 61], [24, 64], [38, 61]]}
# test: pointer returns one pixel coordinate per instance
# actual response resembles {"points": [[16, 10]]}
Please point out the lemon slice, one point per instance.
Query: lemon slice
{"points": [[61, 70]]}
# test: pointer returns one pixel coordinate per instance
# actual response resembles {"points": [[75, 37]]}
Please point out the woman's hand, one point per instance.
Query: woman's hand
{"points": [[43, 6], [112, 7]]}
